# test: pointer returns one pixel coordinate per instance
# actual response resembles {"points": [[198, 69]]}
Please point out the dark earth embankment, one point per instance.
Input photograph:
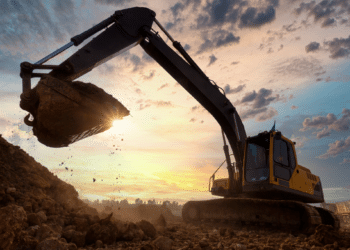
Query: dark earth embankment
{"points": [[39, 211]]}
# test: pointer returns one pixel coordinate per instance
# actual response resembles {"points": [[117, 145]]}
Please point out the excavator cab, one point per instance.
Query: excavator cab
{"points": [[270, 169]]}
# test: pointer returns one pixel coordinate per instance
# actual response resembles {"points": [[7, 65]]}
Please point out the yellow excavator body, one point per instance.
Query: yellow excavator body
{"points": [[301, 180]]}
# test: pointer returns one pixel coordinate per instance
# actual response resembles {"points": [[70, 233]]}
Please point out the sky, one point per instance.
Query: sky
{"points": [[284, 61]]}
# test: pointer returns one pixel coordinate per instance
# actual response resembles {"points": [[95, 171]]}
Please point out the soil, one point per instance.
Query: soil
{"points": [[39, 211], [65, 112]]}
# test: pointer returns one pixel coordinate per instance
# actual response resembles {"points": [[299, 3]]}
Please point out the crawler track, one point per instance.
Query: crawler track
{"points": [[292, 215]]}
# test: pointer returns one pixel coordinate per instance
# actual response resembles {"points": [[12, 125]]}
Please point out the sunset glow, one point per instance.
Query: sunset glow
{"points": [[288, 62]]}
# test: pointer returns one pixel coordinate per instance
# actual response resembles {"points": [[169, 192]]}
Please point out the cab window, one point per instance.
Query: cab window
{"points": [[257, 168], [291, 156], [283, 163], [280, 152]]}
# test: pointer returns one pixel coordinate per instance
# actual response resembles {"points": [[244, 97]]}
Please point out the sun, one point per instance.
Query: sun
{"points": [[126, 125]]}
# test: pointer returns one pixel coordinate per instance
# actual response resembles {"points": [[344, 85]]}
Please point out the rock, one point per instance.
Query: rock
{"points": [[98, 244], [222, 231], [10, 190], [68, 234], [197, 247], [238, 246], [163, 243], [147, 247], [268, 248], [72, 246], [28, 207], [12, 219], [78, 238], [129, 231], [325, 234], [33, 219], [286, 246], [45, 231], [203, 243], [316, 248], [92, 219], [148, 228], [161, 221], [31, 231], [63, 240], [27, 242], [220, 245], [42, 216], [106, 233], [80, 223], [52, 243], [70, 227]]}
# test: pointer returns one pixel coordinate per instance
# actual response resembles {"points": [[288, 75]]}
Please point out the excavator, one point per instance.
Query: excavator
{"points": [[265, 185]]}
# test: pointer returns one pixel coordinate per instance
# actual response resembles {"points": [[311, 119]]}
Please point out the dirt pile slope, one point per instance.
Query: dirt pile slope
{"points": [[39, 211]]}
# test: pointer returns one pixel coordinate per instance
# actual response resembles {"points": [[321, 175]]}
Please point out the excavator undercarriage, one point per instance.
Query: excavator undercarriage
{"points": [[284, 214]]}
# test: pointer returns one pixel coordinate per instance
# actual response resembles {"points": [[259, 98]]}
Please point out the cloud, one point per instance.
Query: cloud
{"points": [[212, 60], [219, 38], [260, 114], [257, 103], [330, 22], [267, 115], [298, 67], [228, 89], [24, 23], [294, 107], [270, 51], [324, 11], [158, 104], [4, 122], [336, 148], [150, 76], [226, 40], [221, 17], [338, 47], [163, 86], [187, 47], [328, 123], [197, 108], [217, 13], [193, 119], [259, 99], [234, 63], [251, 18], [318, 122], [299, 141], [346, 161], [311, 47]]}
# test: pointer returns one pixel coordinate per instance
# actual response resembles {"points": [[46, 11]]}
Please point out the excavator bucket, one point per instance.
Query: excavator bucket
{"points": [[66, 112]]}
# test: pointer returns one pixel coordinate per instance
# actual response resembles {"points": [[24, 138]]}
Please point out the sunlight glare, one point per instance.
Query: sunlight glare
{"points": [[122, 126]]}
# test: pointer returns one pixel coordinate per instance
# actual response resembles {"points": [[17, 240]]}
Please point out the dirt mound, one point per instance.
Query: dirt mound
{"points": [[39, 211]]}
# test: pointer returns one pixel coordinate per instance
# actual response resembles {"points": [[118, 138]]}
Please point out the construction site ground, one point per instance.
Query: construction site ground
{"points": [[39, 211]]}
